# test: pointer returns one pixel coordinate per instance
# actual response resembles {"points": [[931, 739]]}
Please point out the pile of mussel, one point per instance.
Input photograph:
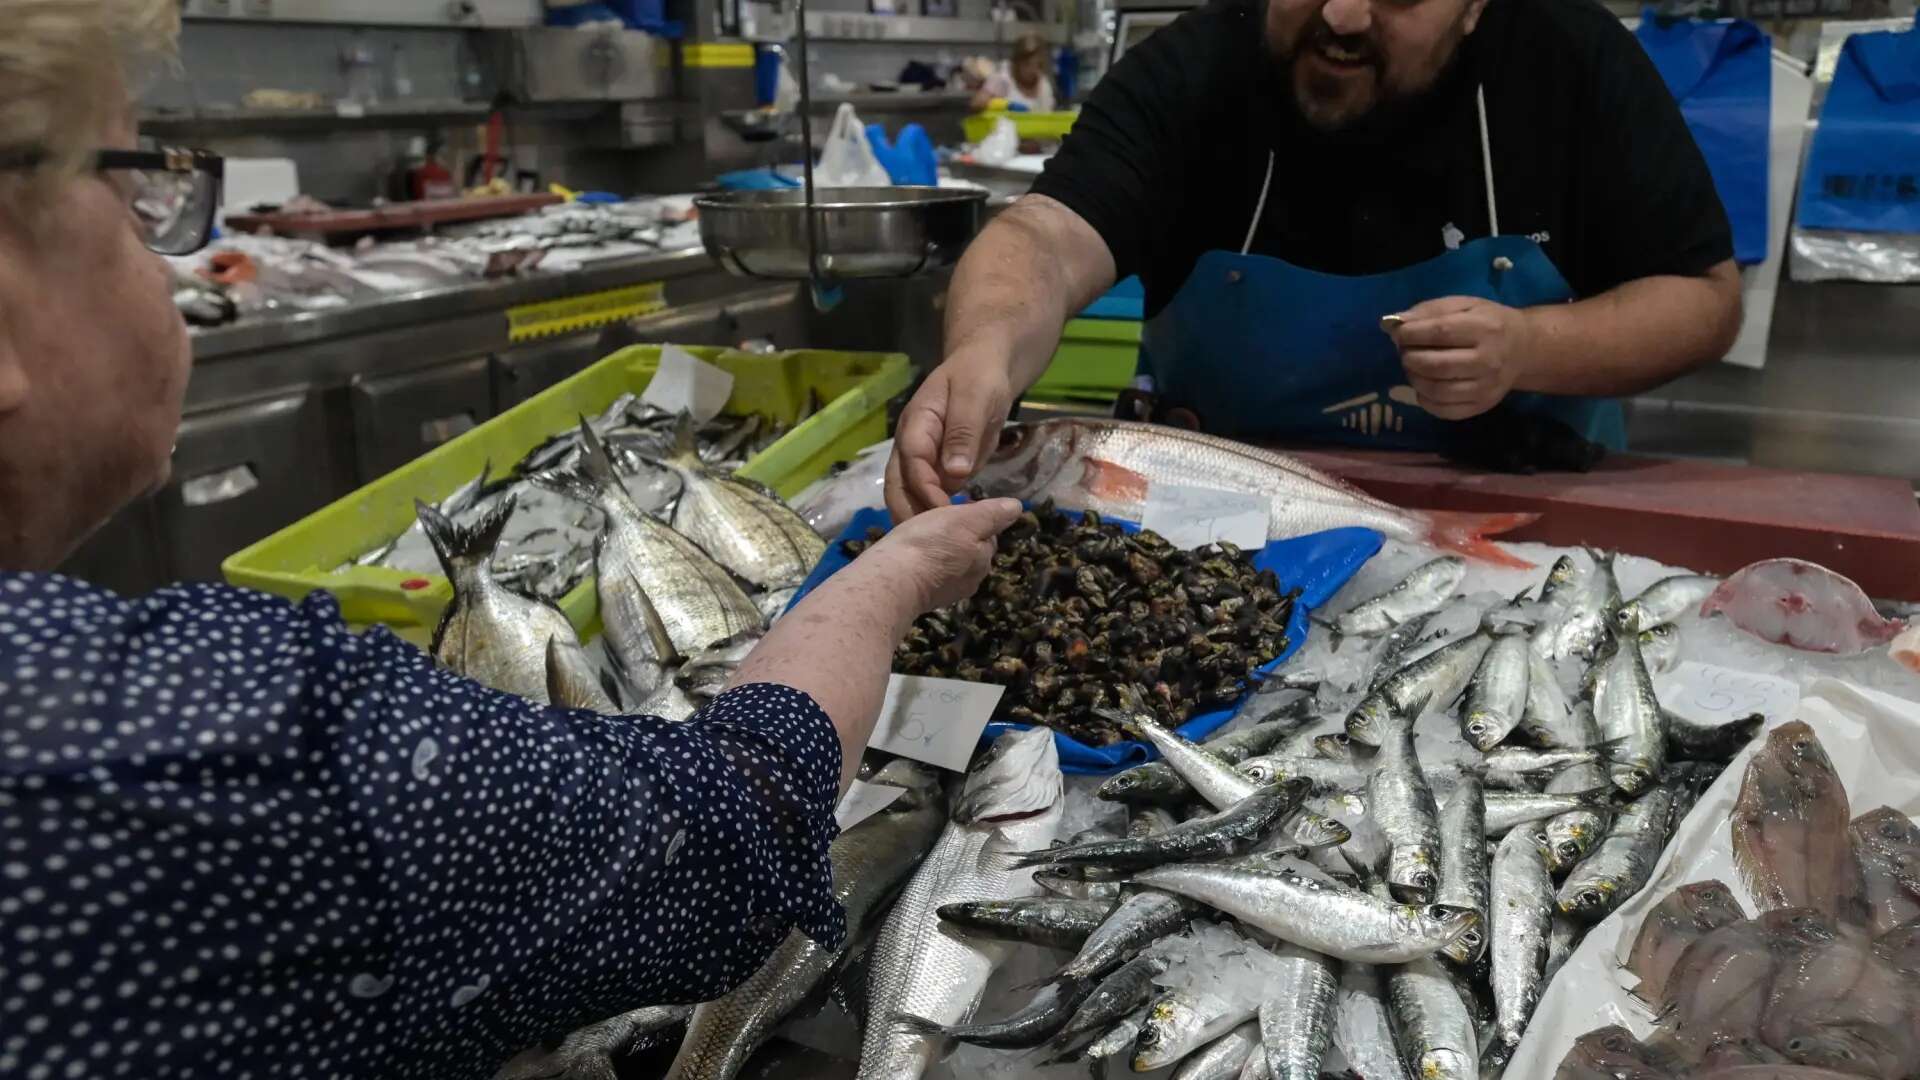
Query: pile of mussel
{"points": [[1080, 614]]}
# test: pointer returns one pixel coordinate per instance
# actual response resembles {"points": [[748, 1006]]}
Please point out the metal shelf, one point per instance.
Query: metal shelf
{"points": [[331, 117], [467, 14], [837, 26]]}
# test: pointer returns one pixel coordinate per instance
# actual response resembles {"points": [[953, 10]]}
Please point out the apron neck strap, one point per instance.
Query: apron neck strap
{"points": [[1259, 207], [1486, 165], [1486, 161]]}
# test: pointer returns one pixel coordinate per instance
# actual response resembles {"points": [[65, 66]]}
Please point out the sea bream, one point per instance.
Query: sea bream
{"points": [[1083, 463], [1011, 801], [488, 633], [869, 860], [745, 530], [696, 598]]}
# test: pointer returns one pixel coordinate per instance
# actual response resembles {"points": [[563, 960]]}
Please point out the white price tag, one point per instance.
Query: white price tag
{"points": [[863, 800], [349, 110], [1190, 517], [686, 383], [1712, 695], [937, 721]]}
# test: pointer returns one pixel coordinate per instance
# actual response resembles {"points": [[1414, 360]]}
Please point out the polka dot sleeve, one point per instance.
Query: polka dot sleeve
{"points": [[235, 837]]}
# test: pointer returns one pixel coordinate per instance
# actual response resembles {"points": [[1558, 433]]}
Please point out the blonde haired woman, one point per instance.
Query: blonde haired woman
{"points": [[237, 839]]}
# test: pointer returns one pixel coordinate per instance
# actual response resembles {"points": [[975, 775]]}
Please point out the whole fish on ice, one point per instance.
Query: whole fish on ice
{"points": [[1011, 801]]}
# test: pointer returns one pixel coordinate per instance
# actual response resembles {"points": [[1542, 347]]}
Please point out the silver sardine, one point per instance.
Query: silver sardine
{"points": [[1523, 907], [1402, 806]]}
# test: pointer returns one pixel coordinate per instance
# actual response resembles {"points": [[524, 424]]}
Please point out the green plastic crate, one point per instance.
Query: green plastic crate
{"points": [[1029, 125], [1095, 361], [303, 556]]}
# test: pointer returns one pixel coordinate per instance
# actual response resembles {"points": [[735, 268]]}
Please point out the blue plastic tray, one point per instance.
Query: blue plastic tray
{"points": [[1318, 564]]}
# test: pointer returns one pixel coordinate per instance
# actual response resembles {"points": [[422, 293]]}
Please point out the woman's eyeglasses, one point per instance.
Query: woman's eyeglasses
{"points": [[175, 192]]}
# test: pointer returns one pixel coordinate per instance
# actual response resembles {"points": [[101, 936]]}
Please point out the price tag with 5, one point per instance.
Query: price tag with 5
{"points": [[937, 721]]}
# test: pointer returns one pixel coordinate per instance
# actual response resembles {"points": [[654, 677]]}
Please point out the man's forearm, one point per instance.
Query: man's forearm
{"points": [[1633, 337], [1020, 281]]}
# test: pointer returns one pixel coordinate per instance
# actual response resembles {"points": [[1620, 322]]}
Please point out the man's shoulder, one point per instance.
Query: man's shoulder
{"points": [[1568, 38]]}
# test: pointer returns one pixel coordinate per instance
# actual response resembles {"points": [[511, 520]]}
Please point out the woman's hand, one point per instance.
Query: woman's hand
{"points": [[940, 556]]}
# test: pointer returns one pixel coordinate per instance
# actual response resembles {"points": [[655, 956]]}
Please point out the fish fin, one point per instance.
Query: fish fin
{"points": [[1113, 482], [555, 681], [998, 855], [685, 451], [1466, 532], [850, 984], [909, 1024], [571, 481], [656, 628], [460, 548], [1498, 1052]]}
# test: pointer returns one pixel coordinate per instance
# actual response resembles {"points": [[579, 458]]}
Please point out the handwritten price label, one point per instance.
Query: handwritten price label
{"points": [[863, 800], [1190, 517], [1712, 695], [937, 721]]}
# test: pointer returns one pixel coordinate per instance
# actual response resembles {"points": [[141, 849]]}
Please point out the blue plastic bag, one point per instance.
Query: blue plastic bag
{"points": [[1317, 564], [1721, 73], [1863, 172], [908, 159]]}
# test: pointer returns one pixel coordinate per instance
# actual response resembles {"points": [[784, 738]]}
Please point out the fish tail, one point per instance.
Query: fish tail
{"points": [[1466, 532], [460, 548], [594, 460], [572, 481]]}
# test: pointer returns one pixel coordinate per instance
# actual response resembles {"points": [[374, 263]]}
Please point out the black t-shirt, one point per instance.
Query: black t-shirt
{"points": [[1590, 156]]}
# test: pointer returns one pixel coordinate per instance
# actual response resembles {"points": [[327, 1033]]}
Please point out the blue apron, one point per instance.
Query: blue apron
{"points": [[1721, 73], [1256, 346], [1863, 173]]}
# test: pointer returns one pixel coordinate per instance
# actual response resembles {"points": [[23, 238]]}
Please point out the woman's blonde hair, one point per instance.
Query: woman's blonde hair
{"points": [[1025, 47], [65, 69]]}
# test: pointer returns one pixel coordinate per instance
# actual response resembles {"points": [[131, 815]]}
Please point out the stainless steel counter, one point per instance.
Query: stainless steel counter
{"points": [[479, 297]]}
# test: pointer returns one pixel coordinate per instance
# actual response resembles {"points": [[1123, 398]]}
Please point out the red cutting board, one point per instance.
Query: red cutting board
{"points": [[406, 215], [1709, 517]]}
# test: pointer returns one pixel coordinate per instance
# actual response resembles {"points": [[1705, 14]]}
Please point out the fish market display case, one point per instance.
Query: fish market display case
{"points": [[854, 389], [286, 413]]}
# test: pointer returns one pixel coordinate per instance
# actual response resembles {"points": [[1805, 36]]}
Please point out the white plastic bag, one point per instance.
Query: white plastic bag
{"points": [[847, 160], [1001, 144]]}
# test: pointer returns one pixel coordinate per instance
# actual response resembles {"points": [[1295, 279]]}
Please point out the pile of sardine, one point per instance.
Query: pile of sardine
{"points": [[1823, 983], [1077, 616], [677, 596], [546, 549], [1400, 919]]}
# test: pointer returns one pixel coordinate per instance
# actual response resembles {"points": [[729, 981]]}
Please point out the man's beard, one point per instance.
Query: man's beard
{"points": [[1384, 112]]}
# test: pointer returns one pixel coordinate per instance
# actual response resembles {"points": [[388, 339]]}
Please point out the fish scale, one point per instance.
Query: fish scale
{"points": [[697, 600], [1109, 466], [923, 969], [868, 860], [756, 537]]}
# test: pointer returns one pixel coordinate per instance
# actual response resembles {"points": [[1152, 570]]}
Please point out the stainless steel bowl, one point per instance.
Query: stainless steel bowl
{"points": [[868, 232]]}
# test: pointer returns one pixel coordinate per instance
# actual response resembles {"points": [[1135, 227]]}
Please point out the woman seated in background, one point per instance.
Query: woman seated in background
{"points": [[236, 838], [1023, 80]]}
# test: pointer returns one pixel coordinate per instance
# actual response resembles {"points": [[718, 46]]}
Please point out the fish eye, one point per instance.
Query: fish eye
{"points": [[1615, 1043], [1891, 831], [1011, 438], [1802, 744]]}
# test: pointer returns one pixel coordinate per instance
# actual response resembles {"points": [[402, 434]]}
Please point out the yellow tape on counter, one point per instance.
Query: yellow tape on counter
{"points": [[551, 317]]}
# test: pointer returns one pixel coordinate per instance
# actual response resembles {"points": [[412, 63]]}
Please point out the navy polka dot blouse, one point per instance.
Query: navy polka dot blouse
{"points": [[237, 839]]}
